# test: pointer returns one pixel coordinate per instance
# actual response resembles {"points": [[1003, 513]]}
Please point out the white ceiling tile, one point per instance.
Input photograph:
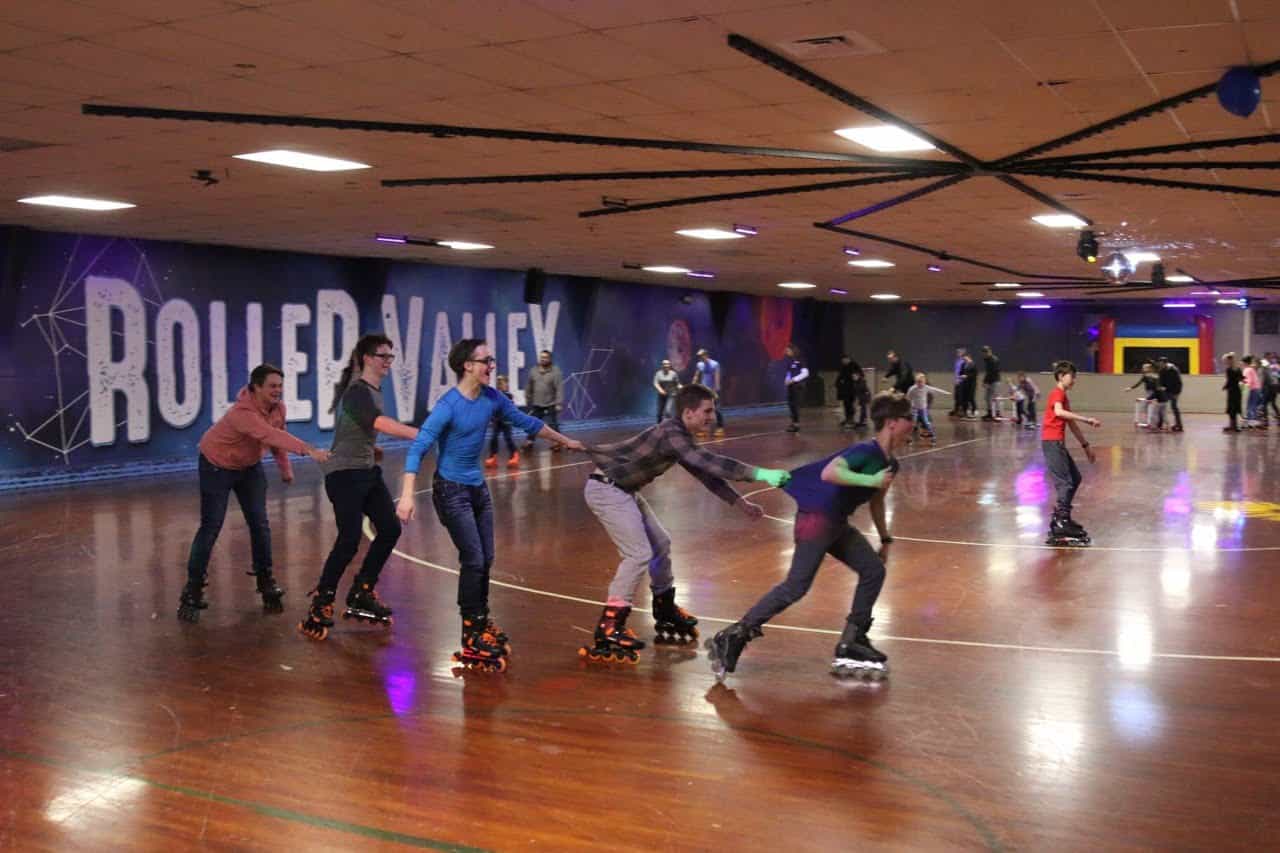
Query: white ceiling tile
{"points": [[1214, 46], [257, 30]]}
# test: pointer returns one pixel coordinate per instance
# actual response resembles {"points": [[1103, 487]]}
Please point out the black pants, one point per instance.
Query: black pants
{"points": [[1177, 413], [1063, 471], [547, 414], [815, 537], [970, 406], [467, 513], [355, 493], [216, 486], [793, 401], [664, 400], [501, 427]]}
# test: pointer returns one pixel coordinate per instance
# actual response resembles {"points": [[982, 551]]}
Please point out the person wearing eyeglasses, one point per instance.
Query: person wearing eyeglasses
{"points": [[353, 481], [456, 426]]}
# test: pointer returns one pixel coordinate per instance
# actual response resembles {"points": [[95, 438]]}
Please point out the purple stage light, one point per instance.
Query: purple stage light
{"points": [[852, 250], [933, 268], [700, 274], [748, 230], [390, 238], [838, 292], [1179, 305], [1034, 306]]}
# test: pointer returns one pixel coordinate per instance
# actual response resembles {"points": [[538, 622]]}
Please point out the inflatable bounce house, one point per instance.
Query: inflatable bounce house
{"points": [[1123, 347]]}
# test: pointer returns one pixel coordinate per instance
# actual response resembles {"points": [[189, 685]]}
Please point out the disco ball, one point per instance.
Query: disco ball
{"points": [[1118, 268]]}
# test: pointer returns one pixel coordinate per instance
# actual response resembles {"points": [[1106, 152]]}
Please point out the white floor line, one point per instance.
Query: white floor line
{"points": [[368, 532]]}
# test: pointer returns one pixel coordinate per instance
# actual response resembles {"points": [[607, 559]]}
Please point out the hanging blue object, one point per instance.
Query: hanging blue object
{"points": [[1240, 91]]}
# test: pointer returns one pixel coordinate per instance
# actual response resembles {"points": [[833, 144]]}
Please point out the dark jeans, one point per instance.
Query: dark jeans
{"points": [[547, 414], [216, 486], [467, 513], [1063, 471], [970, 406], [719, 414], [355, 493], [1027, 410], [1177, 413], [666, 405], [504, 429], [816, 536], [793, 401]]}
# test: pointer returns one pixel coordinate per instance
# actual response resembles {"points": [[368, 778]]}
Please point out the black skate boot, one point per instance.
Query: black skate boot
{"points": [[614, 641], [192, 601], [726, 646], [1063, 532], [673, 624], [480, 648], [498, 634], [855, 656], [363, 604], [320, 617], [270, 591], [793, 427]]}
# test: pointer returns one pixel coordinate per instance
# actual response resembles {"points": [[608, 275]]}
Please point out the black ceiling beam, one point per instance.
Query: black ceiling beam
{"points": [[776, 61], [1028, 169], [555, 177], [445, 131], [1125, 118], [1041, 197], [1085, 282], [1160, 182], [706, 199], [897, 200], [1175, 148], [940, 254]]}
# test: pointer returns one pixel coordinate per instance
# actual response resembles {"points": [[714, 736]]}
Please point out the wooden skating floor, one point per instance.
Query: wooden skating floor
{"points": [[1123, 696]]}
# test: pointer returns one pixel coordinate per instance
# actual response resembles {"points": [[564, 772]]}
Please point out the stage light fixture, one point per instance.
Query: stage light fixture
{"points": [[1157, 275], [1087, 247]]}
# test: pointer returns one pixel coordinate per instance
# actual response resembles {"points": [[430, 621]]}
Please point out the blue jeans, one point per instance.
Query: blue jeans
{"points": [[355, 493], [216, 486], [467, 513]]}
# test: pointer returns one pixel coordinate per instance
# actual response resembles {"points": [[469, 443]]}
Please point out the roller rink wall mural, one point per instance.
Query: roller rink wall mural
{"points": [[119, 353]]}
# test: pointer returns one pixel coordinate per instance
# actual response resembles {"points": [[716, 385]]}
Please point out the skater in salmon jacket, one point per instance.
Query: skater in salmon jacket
{"points": [[826, 494]]}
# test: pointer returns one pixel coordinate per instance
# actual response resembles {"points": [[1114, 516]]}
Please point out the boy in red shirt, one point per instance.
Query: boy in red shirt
{"points": [[1058, 462]]}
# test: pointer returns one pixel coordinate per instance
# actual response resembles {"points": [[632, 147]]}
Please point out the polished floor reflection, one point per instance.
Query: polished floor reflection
{"points": [[1123, 695]]}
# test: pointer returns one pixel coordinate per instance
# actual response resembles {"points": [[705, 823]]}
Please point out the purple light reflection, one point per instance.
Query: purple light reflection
{"points": [[1178, 501], [1030, 486]]}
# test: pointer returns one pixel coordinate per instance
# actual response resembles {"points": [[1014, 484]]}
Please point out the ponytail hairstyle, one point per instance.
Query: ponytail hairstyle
{"points": [[367, 345]]}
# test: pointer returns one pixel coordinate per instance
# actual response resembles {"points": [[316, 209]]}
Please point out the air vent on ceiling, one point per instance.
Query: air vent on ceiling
{"points": [[8, 143], [828, 45], [491, 214]]}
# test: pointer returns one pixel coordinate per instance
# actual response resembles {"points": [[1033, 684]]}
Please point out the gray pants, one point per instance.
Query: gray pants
{"points": [[1063, 471], [816, 536], [989, 398], [638, 536]]}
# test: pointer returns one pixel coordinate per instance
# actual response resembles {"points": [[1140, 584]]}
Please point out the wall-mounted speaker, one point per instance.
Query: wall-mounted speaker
{"points": [[535, 283]]}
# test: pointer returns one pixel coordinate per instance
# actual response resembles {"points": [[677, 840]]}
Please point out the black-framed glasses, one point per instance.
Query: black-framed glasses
{"points": [[488, 359], [387, 357]]}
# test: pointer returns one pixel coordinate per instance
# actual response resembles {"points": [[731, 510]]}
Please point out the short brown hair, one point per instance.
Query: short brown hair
{"points": [[258, 377], [1062, 368], [691, 397], [888, 405], [461, 352]]}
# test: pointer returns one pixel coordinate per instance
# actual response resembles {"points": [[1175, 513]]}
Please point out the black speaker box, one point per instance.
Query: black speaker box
{"points": [[535, 283]]}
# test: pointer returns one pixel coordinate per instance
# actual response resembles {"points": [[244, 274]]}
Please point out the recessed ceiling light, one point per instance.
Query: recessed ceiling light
{"points": [[1180, 278], [852, 250], [933, 268], [1060, 220], [1029, 294], [1006, 284], [746, 230], [993, 302], [872, 264], [885, 297], [1214, 292], [796, 285], [464, 246], [1035, 306], [1230, 301], [1179, 305], [391, 238], [75, 202], [667, 270], [885, 137], [298, 160], [710, 234], [1136, 258]]}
